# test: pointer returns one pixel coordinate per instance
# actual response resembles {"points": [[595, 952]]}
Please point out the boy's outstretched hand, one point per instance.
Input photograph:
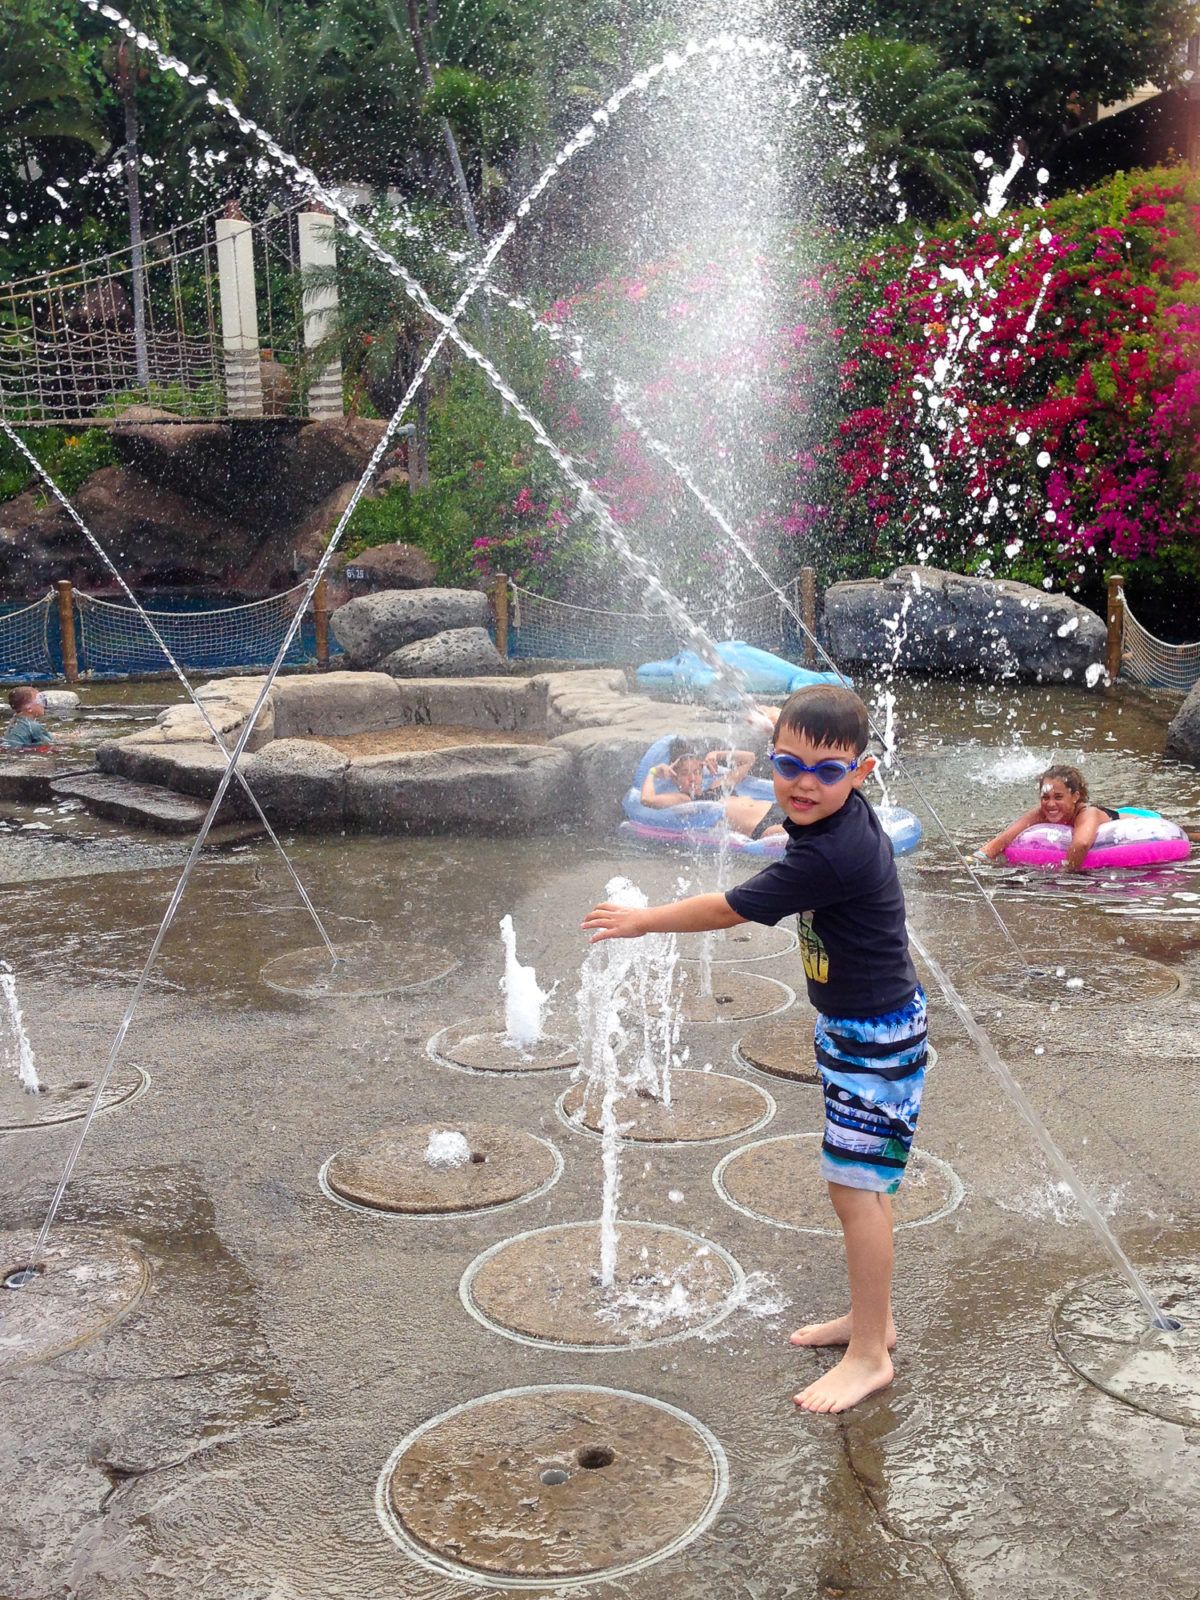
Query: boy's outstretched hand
{"points": [[607, 921]]}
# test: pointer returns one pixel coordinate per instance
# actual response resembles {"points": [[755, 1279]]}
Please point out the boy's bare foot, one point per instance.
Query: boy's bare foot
{"points": [[843, 1386], [816, 1334]]}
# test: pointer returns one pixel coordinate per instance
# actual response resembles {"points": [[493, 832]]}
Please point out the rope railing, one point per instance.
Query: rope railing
{"points": [[114, 640], [545, 629], [1153, 661], [25, 641]]}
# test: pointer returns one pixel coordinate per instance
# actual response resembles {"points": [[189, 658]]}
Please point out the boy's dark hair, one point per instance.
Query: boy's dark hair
{"points": [[684, 750], [1071, 777], [828, 715], [24, 694]]}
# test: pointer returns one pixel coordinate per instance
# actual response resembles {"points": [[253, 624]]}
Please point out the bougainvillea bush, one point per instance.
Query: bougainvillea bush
{"points": [[1017, 395], [1022, 396]]}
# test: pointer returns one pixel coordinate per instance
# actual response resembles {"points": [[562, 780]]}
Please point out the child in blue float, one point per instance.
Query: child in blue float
{"points": [[25, 731], [838, 878], [692, 773]]}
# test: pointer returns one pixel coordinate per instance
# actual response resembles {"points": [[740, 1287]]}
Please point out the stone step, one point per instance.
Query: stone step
{"points": [[32, 777], [145, 805]]}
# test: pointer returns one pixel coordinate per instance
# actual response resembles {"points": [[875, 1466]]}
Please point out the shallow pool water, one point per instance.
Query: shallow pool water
{"points": [[227, 1435]]}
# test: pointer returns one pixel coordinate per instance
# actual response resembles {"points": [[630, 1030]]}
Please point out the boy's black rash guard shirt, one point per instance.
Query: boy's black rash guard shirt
{"points": [[838, 878]]}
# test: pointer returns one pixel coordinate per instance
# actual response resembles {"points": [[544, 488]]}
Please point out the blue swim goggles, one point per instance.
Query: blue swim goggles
{"points": [[826, 772]]}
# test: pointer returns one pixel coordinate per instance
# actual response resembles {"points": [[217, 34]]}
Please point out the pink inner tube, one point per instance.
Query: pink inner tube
{"points": [[1131, 841]]}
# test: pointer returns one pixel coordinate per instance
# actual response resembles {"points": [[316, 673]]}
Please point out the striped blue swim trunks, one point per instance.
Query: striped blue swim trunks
{"points": [[873, 1071]]}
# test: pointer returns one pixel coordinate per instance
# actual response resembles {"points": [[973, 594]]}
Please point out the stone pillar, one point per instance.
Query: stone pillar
{"points": [[239, 314], [318, 248]]}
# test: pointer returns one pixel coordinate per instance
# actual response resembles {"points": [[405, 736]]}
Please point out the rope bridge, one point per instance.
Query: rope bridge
{"points": [[185, 327], [1152, 661], [555, 630]]}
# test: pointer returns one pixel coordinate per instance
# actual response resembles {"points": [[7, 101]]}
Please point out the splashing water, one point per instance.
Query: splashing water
{"points": [[447, 1149], [20, 1051], [623, 978], [524, 1002]]}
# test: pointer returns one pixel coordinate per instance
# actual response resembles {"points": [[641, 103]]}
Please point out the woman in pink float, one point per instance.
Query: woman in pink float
{"points": [[1065, 824]]}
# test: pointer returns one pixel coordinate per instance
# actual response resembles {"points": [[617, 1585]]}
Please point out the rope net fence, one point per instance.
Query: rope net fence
{"points": [[1153, 661], [554, 630], [114, 641], [25, 640], [70, 351]]}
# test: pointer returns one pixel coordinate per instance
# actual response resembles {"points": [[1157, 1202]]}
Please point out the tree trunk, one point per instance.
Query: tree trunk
{"points": [[127, 88], [456, 166]]}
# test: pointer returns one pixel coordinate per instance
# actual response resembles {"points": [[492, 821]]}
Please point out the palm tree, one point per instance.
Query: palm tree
{"points": [[203, 34], [44, 93], [918, 128]]}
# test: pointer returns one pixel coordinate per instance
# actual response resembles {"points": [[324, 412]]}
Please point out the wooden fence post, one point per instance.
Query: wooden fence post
{"points": [[500, 602], [321, 618], [1116, 627], [66, 627], [808, 611]]}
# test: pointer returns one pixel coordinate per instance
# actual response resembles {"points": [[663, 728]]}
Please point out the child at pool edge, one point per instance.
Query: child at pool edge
{"points": [[838, 877], [25, 731], [1063, 799]]}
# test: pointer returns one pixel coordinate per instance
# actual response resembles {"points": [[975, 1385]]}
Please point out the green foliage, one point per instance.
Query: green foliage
{"points": [[920, 126], [69, 458], [491, 505], [1034, 61]]}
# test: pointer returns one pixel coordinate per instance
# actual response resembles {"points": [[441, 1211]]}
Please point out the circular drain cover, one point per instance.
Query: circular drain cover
{"points": [[366, 968], [735, 996], [544, 1286], [704, 1105], [1101, 1331], [778, 1180], [84, 1283], [1062, 980], [555, 1485], [482, 1046], [748, 941], [428, 1168], [68, 1101], [783, 1047]]}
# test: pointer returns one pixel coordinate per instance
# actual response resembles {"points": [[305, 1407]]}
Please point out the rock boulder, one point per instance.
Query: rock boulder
{"points": [[374, 625], [944, 625], [457, 653], [492, 788], [391, 566], [1183, 735]]}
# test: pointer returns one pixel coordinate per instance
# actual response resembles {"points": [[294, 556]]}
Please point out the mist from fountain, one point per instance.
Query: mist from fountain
{"points": [[17, 1046]]}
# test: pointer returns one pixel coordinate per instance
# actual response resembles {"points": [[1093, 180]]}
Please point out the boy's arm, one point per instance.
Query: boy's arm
{"points": [[997, 846], [697, 914]]}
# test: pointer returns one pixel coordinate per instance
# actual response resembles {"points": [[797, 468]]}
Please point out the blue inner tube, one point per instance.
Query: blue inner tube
{"points": [[702, 822]]}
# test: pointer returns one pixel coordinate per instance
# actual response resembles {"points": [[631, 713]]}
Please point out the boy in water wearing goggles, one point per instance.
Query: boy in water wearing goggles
{"points": [[838, 878]]}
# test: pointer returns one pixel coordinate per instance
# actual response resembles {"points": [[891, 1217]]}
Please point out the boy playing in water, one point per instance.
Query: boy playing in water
{"points": [[25, 731], [838, 877]]}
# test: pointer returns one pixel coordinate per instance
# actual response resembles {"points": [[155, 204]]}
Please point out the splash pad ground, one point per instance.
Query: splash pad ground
{"points": [[285, 1348]]}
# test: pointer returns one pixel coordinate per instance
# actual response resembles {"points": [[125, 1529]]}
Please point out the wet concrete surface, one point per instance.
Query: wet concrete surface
{"points": [[224, 1438]]}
